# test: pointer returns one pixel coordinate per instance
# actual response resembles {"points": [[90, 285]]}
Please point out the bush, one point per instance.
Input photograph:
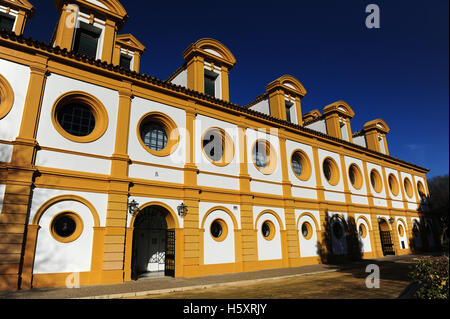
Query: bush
{"points": [[432, 272]]}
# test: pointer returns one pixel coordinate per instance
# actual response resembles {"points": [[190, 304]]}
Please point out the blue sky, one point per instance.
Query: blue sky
{"points": [[399, 72]]}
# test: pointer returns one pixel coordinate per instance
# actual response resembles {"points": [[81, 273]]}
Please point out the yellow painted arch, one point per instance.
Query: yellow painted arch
{"points": [[226, 210], [365, 219], [171, 218], [268, 211], [311, 216], [62, 198]]}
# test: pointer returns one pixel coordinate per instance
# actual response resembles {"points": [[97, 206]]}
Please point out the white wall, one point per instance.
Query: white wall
{"points": [[48, 136], [181, 79], [41, 195], [53, 256], [258, 186], [360, 140], [137, 152], [216, 252], [308, 247], [202, 124], [379, 199], [268, 249], [358, 196], [302, 189], [337, 194], [319, 126], [262, 107], [404, 238], [366, 246], [18, 77]]}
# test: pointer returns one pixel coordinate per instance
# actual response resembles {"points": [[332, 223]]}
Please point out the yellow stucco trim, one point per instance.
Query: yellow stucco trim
{"points": [[61, 198], [6, 97]]}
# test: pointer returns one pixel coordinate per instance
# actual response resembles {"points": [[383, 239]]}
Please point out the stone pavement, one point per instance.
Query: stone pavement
{"points": [[149, 286]]}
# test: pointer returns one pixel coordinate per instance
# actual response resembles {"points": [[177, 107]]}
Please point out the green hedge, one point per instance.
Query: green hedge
{"points": [[432, 272]]}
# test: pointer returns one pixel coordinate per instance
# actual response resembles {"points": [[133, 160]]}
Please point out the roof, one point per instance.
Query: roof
{"points": [[44, 48]]}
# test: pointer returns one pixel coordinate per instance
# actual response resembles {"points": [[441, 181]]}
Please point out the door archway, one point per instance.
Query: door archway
{"points": [[385, 236], [153, 251]]}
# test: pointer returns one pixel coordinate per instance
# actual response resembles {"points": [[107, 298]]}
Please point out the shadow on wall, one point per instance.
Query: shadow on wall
{"points": [[353, 241]]}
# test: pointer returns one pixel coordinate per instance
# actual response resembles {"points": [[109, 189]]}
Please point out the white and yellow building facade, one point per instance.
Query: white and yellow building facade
{"points": [[108, 173]]}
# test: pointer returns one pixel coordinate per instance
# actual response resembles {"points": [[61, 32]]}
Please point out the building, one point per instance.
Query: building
{"points": [[107, 173]]}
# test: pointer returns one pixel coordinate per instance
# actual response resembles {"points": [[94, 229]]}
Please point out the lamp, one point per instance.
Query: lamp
{"points": [[133, 207], [182, 210], [391, 220]]}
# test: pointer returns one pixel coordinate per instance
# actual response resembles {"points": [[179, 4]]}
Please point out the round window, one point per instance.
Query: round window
{"points": [[301, 165], [219, 230], [79, 117], [362, 231], [218, 146], [408, 187], [375, 180], [158, 134], [6, 97], [393, 184], [268, 230], [66, 227], [264, 157], [154, 136], [306, 230], [330, 171], [76, 119], [355, 176]]}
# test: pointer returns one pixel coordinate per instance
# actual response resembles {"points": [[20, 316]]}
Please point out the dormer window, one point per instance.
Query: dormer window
{"points": [[86, 40], [125, 61], [288, 106], [210, 83], [6, 21]]}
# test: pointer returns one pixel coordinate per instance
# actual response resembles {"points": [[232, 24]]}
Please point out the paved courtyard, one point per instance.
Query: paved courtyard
{"points": [[341, 284]]}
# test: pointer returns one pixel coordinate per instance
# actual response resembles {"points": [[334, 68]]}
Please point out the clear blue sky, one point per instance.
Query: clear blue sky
{"points": [[399, 73]]}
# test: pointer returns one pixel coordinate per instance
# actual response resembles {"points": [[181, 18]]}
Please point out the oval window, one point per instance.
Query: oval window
{"points": [[330, 171], [218, 229], [300, 165], [268, 230], [158, 134], [66, 227]]}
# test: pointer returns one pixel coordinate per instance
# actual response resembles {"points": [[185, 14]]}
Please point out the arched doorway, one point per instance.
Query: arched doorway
{"points": [[153, 244], [385, 235]]}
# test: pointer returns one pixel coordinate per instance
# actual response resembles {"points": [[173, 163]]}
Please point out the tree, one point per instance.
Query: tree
{"points": [[439, 203]]}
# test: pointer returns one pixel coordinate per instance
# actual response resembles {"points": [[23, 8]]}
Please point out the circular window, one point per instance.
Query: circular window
{"points": [[218, 146], [362, 230], [307, 230], [301, 165], [158, 134], [264, 157], [401, 230], [408, 187], [337, 230], [66, 227], [268, 230], [393, 184], [355, 176], [219, 230], [375, 180], [79, 117], [6, 97], [330, 171]]}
